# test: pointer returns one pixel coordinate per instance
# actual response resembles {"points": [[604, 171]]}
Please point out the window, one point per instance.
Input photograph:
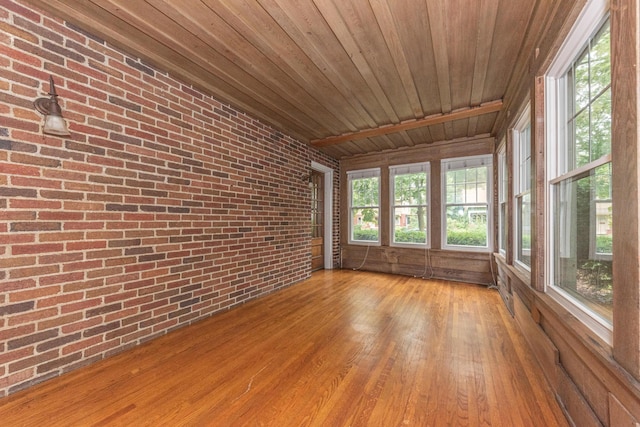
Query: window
{"points": [[466, 182], [410, 204], [503, 179], [522, 189], [580, 169], [364, 205]]}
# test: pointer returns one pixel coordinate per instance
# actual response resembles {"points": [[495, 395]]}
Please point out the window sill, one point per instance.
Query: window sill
{"points": [[363, 243], [521, 274], [410, 245], [574, 324], [475, 249], [594, 324]]}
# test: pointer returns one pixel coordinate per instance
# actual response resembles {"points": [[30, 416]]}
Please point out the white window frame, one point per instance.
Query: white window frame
{"points": [[590, 20], [471, 161], [359, 174], [403, 170], [503, 179], [522, 179]]}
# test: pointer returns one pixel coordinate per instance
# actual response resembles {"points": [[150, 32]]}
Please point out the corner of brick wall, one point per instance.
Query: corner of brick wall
{"points": [[163, 207]]}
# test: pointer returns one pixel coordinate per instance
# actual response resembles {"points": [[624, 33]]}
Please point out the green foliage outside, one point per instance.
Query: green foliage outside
{"points": [[466, 226], [410, 236], [472, 236], [595, 281], [369, 235], [364, 192], [604, 244]]}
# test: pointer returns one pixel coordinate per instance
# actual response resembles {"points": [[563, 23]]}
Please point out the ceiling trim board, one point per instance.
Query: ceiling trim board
{"points": [[486, 108]]}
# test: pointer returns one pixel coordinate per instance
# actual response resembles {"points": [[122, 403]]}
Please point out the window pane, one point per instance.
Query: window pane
{"points": [[466, 207], [364, 224], [410, 189], [524, 229], [470, 192], [410, 225], [600, 61], [503, 228], [410, 206], [364, 192], [601, 126], [481, 174], [581, 81], [589, 103], [524, 160], [470, 185], [603, 182], [471, 174], [604, 210], [451, 193], [466, 225], [582, 243], [482, 192], [582, 148]]}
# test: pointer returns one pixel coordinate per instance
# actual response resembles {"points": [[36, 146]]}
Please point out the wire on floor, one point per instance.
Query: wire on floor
{"points": [[427, 263], [366, 255]]}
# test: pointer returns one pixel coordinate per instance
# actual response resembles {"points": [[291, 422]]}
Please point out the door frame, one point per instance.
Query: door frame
{"points": [[327, 214]]}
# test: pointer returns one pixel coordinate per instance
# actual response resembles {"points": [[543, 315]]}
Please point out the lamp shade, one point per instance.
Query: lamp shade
{"points": [[55, 125]]}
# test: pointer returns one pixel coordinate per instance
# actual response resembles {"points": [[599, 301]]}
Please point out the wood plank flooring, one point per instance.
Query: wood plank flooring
{"points": [[343, 348]]}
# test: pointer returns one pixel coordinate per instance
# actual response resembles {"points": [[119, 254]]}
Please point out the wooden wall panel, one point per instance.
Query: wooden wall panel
{"points": [[619, 416], [625, 152], [544, 350], [574, 403], [450, 265]]}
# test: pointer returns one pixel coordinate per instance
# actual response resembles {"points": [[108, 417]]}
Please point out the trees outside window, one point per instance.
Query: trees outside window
{"points": [[410, 204], [364, 205], [466, 185]]}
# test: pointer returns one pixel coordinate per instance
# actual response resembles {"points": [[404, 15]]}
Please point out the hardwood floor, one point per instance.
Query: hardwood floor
{"points": [[344, 348]]}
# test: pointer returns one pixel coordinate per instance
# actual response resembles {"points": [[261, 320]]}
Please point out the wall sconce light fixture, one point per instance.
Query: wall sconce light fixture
{"points": [[54, 124], [308, 178]]}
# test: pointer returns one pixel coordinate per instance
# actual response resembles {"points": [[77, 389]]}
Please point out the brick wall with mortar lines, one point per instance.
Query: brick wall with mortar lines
{"points": [[163, 207]]}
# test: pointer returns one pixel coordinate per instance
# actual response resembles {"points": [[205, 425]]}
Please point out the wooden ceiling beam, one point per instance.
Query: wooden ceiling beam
{"points": [[465, 113]]}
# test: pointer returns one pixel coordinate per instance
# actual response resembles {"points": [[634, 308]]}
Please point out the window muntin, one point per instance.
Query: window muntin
{"points": [[522, 189], [466, 182], [503, 179], [364, 206], [580, 178], [410, 204]]}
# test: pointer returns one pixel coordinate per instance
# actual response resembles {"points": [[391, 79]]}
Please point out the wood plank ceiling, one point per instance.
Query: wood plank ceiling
{"points": [[347, 76]]}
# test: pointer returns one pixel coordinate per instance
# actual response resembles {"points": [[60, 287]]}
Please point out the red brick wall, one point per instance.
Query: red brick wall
{"points": [[163, 207]]}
